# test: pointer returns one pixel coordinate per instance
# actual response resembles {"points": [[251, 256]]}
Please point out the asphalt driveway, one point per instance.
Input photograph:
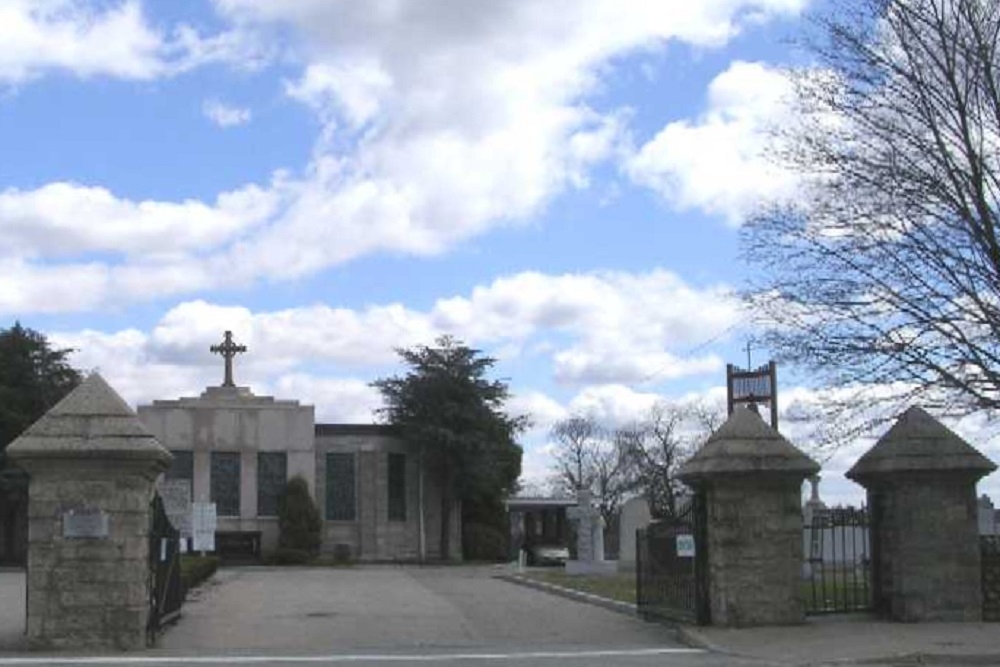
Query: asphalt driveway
{"points": [[386, 608]]}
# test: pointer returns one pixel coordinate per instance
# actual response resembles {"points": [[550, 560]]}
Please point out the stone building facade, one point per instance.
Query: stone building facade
{"points": [[239, 449]]}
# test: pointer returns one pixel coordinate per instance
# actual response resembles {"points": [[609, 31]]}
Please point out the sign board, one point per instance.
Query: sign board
{"points": [[685, 546], [203, 525], [85, 523], [176, 496]]}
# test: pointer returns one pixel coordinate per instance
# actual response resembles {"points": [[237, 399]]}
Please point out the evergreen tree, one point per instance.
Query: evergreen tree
{"points": [[299, 523], [447, 406]]}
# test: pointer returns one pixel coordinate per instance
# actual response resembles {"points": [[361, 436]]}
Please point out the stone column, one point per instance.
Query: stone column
{"points": [[750, 478], [92, 467], [921, 483]]}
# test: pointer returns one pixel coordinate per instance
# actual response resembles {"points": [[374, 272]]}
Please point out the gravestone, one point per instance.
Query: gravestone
{"points": [[92, 467], [589, 538], [921, 483], [634, 515]]}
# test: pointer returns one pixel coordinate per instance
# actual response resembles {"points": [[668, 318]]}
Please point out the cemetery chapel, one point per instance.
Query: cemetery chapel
{"points": [[237, 450]]}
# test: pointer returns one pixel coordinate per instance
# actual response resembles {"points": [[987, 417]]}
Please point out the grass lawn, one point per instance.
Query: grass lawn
{"points": [[616, 587]]}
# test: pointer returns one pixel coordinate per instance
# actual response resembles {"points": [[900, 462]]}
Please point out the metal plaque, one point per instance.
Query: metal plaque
{"points": [[85, 524]]}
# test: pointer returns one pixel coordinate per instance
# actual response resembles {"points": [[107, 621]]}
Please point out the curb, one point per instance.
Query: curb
{"points": [[613, 605]]}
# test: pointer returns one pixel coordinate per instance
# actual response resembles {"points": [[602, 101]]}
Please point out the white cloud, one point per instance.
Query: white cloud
{"points": [[440, 123], [64, 219], [113, 38], [79, 37], [225, 115], [718, 163]]}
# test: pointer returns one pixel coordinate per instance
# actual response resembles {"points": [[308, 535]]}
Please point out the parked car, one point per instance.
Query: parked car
{"points": [[547, 554]]}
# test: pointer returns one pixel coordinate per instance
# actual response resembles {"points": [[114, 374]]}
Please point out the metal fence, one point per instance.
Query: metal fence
{"points": [[671, 572], [166, 592], [990, 548], [837, 564]]}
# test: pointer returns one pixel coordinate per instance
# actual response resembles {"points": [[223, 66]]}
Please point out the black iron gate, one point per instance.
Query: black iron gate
{"points": [[671, 567], [166, 594], [837, 568]]}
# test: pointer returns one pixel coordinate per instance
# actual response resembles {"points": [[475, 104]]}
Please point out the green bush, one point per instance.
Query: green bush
{"points": [[196, 569], [484, 542], [299, 523]]}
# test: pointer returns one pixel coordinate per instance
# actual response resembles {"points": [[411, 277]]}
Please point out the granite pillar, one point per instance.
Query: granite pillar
{"points": [[921, 483], [751, 481], [92, 467]]}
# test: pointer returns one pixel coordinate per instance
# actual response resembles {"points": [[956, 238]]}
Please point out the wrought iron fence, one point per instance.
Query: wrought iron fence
{"points": [[990, 548], [166, 592], [671, 572], [837, 565]]}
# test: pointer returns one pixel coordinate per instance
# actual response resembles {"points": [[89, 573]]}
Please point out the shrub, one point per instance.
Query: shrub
{"points": [[299, 523], [196, 569], [484, 542]]}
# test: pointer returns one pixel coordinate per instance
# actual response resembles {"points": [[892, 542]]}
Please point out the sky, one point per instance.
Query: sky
{"points": [[559, 184]]}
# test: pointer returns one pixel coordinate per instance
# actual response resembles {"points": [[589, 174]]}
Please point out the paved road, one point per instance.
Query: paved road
{"points": [[382, 616], [409, 615], [393, 608]]}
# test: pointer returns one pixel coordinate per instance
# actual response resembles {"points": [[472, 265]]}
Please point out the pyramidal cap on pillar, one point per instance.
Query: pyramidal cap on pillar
{"points": [[92, 421], [919, 442], [746, 445]]}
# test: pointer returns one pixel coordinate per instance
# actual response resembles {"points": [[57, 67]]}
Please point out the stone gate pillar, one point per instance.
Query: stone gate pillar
{"points": [[921, 483], [751, 480], [92, 467]]}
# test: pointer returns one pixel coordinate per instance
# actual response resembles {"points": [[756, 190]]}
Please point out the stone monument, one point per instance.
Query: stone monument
{"points": [[589, 538], [751, 480], [921, 483], [92, 467], [634, 515]]}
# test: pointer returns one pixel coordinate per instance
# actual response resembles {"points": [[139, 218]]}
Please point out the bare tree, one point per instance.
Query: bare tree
{"points": [[587, 457], [885, 271], [657, 446]]}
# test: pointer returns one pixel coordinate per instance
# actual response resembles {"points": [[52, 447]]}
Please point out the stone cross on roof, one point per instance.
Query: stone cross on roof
{"points": [[228, 349]]}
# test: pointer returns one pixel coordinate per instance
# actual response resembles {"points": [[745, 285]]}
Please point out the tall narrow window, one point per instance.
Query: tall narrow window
{"points": [[225, 483], [397, 487], [182, 467], [272, 473], [340, 493]]}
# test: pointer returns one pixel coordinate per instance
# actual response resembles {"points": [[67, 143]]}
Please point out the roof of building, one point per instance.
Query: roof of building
{"points": [[536, 502]]}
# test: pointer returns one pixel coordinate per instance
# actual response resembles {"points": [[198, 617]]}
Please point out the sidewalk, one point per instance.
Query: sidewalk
{"points": [[855, 639]]}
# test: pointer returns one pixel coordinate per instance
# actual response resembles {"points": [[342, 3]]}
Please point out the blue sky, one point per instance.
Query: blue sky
{"points": [[560, 184]]}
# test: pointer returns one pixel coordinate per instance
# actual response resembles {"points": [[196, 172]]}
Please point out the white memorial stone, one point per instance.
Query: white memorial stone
{"points": [[634, 515], [589, 538]]}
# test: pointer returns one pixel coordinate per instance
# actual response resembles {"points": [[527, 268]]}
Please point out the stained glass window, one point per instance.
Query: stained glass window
{"points": [[182, 466], [272, 474], [225, 483], [340, 492], [397, 487]]}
